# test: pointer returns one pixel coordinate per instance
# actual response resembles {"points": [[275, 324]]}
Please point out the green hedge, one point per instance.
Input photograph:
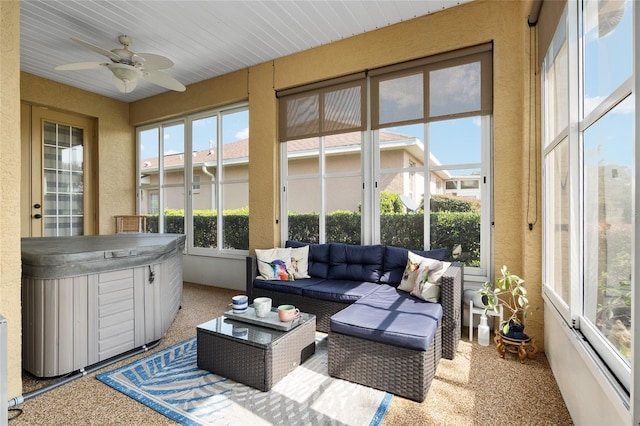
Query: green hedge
{"points": [[448, 229]]}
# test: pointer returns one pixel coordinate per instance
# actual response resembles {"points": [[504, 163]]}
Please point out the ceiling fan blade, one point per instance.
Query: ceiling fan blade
{"points": [[114, 57], [152, 62], [80, 66], [161, 79]]}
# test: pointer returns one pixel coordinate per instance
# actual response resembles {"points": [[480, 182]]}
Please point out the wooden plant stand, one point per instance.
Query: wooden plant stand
{"points": [[524, 348]]}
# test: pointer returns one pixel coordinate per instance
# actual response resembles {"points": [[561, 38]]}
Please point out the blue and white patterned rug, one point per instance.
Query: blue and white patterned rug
{"points": [[170, 382]]}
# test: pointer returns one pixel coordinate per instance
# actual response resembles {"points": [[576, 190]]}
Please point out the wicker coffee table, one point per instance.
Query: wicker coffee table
{"points": [[254, 355]]}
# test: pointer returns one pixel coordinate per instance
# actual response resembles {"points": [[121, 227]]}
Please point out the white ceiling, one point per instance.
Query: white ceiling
{"points": [[204, 39]]}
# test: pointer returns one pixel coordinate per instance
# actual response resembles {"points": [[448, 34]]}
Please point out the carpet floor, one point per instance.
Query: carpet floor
{"points": [[466, 391]]}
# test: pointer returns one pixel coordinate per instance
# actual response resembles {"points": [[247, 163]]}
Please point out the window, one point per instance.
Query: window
{"points": [[205, 194], [322, 164], [196, 184], [589, 176], [430, 121], [63, 180]]}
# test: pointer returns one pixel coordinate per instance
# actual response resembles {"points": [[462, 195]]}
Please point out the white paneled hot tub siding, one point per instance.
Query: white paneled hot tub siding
{"points": [[71, 323]]}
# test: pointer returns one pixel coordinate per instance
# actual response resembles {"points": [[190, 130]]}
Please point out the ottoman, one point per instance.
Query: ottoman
{"points": [[388, 340]]}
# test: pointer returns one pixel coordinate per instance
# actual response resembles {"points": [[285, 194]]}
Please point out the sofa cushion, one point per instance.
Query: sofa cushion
{"points": [[346, 291], [300, 262], [275, 264], [357, 263], [318, 257], [289, 287], [390, 316], [395, 261], [422, 276]]}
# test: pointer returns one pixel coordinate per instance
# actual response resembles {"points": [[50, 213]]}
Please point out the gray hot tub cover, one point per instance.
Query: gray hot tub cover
{"points": [[60, 257]]}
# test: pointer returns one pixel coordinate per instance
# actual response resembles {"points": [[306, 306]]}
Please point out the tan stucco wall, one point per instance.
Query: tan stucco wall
{"points": [[10, 269], [224, 90], [116, 147]]}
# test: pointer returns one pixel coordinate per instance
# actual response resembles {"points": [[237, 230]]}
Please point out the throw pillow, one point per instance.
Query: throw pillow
{"points": [[410, 272], [275, 264], [300, 262], [427, 284]]}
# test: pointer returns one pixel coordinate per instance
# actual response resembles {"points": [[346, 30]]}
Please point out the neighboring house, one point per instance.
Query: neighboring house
{"points": [[464, 186], [343, 152]]}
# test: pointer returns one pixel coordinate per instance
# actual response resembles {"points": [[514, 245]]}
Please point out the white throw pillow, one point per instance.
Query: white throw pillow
{"points": [[427, 285], [275, 264], [300, 262], [410, 272], [422, 277]]}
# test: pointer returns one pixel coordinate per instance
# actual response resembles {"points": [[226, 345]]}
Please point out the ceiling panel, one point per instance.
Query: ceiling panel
{"points": [[204, 39]]}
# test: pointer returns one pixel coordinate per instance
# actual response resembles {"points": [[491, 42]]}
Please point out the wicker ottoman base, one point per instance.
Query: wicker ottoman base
{"points": [[259, 366], [400, 371]]}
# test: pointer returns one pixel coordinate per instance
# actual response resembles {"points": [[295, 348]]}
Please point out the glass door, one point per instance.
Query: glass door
{"points": [[62, 202]]}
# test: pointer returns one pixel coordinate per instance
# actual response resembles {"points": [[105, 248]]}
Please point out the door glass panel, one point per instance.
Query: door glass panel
{"points": [[63, 180], [608, 212]]}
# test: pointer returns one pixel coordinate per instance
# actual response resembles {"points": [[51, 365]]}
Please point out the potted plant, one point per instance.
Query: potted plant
{"points": [[508, 292]]}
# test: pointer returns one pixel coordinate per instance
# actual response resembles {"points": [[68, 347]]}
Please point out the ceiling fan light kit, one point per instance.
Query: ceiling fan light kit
{"points": [[125, 76], [127, 66]]}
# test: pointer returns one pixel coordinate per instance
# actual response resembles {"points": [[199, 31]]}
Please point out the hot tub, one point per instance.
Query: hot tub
{"points": [[89, 298]]}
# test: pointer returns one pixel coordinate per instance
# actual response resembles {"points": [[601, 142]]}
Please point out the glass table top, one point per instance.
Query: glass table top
{"points": [[251, 333]]}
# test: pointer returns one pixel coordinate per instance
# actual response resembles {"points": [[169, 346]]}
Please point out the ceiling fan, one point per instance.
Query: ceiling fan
{"points": [[127, 66]]}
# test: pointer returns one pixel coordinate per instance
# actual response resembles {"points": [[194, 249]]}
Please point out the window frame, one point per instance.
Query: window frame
{"points": [[572, 311], [189, 182], [370, 149]]}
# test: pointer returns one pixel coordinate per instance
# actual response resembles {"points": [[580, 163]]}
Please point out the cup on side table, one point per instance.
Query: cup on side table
{"points": [[287, 313], [262, 305], [239, 304]]}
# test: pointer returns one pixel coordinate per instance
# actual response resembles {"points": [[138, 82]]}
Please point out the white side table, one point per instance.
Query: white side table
{"points": [[480, 311]]}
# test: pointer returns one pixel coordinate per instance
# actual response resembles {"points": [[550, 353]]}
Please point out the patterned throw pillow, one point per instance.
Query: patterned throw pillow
{"points": [[275, 264], [300, 262], [410, 272], [422, 276]]}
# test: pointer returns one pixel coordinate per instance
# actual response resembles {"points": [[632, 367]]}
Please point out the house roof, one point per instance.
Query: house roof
{"points": [[238, 151]]}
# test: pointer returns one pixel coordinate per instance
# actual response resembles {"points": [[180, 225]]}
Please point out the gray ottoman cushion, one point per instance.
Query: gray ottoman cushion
{"points": [[390, 316]]}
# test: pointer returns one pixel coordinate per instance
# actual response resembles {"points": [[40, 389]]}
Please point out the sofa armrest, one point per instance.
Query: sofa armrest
{"points": [[252, 273], [451, 300]]}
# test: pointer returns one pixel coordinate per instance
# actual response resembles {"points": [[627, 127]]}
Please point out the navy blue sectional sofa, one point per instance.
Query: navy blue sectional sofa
{"points": [[353, 292]]}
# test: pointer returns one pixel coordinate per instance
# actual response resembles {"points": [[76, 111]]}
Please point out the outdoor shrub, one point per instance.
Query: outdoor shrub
{"points": [[453, 204], [448, 228]]}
